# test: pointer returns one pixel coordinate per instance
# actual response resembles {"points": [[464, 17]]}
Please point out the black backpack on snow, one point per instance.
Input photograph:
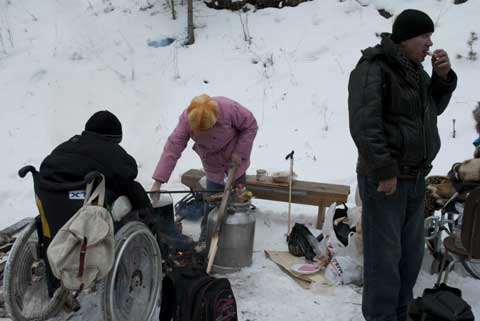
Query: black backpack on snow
{"points": [[442, 303], [192, 295], [298, 244]]}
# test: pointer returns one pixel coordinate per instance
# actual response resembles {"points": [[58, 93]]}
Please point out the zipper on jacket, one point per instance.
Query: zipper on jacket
{"points": [[423, 113]]}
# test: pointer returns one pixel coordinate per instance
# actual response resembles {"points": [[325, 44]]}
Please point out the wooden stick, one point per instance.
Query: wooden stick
{"points": [[290, 197], [221, 213], [212, 252], [290, 155]]}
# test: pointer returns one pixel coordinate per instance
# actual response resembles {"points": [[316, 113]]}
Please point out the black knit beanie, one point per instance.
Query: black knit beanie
{"points": [[411, 23], [105, 123]]}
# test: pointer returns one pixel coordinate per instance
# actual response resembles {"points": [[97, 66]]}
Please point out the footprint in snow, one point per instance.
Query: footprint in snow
{"points": [[38, 75], [315, 54]]}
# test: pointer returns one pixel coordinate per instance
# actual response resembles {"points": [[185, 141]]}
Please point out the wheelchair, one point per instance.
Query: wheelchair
{"points": [[439, 227], [131, 291]]}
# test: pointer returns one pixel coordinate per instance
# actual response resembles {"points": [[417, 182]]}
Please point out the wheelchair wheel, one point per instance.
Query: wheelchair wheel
{"points": [[472, 266], [132, 289], [25, 282]]}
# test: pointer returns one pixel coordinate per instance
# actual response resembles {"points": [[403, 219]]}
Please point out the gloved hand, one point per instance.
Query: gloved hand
{"points": [[155, 188], [236, 158]]}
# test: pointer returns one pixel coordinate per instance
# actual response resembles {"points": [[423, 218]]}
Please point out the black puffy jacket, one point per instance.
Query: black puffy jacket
{"points": [[81, 154], [393, 121]]}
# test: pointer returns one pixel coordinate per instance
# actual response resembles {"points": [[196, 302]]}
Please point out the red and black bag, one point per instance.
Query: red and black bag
{"points": [[192, 295]]}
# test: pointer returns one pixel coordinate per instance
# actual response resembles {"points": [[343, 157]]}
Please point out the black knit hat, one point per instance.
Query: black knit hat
{"points": [[105, 123], [411, 23]]}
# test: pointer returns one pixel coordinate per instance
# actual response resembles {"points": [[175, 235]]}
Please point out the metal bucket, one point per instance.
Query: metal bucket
{"points": [[235, 245]]}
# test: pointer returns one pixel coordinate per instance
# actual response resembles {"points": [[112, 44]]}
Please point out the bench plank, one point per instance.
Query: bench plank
{"points": [[303, 192]]}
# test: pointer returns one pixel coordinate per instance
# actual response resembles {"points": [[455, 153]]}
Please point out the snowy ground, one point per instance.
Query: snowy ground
{"points": [[62, 61]]}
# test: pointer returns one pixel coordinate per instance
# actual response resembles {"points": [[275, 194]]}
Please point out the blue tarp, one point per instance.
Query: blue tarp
{"points": [[164, 42]]}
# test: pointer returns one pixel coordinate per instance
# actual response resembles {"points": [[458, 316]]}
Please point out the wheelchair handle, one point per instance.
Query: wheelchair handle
{"points": [[22, 172], [90, 177]]}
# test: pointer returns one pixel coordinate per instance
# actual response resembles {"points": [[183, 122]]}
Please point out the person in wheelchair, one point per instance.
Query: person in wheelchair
{"points": [[64, 177], [97, 149]]}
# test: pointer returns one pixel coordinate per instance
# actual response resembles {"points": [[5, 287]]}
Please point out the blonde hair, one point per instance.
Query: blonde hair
{"points": [[202, 113]]}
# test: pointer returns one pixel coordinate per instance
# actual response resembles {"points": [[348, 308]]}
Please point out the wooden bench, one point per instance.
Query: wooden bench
{"points": [[303, 192]]}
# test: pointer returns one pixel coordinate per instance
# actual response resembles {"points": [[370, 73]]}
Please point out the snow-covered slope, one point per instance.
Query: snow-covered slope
{"points": [[60, 61]]}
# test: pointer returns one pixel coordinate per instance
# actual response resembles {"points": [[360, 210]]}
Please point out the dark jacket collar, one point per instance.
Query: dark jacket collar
{"points": [[387, 50], [390, 53], [90, 134]]}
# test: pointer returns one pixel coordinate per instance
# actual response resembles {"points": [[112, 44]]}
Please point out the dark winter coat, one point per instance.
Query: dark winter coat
{"points": [[393, 119], [81, 154]]}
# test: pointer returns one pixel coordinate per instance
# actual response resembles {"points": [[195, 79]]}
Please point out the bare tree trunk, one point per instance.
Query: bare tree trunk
{"points": [[191, 36], [172, 5]]}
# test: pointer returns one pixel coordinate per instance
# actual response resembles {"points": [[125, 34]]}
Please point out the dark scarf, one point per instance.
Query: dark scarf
{"points": [[412, 70]]}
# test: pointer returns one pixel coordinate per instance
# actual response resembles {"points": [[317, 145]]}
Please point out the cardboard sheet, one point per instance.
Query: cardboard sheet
{"points": [[285, 260]]}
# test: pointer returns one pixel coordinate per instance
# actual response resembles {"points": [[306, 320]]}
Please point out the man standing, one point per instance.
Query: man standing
{"points": [[393, 108]]}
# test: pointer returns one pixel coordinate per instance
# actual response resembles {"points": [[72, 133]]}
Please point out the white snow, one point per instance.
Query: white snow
{"points": [[60, 61]]}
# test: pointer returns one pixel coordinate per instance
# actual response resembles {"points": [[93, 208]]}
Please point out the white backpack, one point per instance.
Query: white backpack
{"points": [[82, 251]]}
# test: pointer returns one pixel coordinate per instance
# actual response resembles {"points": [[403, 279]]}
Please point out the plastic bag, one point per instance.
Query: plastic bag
{"points": [[354, 216], [121, 207], [350, 243], [333, 246], [344, 270]]}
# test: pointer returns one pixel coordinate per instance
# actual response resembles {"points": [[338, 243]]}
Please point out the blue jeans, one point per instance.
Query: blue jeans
{"points": [[393, 244], [211, 186]]}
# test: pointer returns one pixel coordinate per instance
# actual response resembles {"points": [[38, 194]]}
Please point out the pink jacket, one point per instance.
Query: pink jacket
{"points": [[230, 138]]}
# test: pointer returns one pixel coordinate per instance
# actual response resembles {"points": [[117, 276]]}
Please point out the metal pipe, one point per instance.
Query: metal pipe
{"points": [[184, 192]]}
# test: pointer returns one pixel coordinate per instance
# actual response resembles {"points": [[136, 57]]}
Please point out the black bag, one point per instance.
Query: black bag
{"points": [[192, 295], [298, 244], [342, 230], [443, 303]]}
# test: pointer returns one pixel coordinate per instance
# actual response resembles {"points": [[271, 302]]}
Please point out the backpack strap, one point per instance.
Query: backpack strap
{"points": [[193, 297], [81, 265], [98, 193], [185, 282]]}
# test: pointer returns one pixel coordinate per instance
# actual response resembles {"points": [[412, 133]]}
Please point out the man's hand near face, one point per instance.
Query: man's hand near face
{"points": [[441, 63]]}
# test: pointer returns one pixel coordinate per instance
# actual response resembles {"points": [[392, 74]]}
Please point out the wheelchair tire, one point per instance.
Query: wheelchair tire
{"points": [[25, 284], [472, 266], [132, 289]]}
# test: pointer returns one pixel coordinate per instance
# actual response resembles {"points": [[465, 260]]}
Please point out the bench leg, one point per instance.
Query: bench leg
{"points": [[320, 216]]}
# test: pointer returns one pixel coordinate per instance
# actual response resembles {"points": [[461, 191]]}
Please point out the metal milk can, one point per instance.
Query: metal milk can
{"points": [[235, 244]]}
